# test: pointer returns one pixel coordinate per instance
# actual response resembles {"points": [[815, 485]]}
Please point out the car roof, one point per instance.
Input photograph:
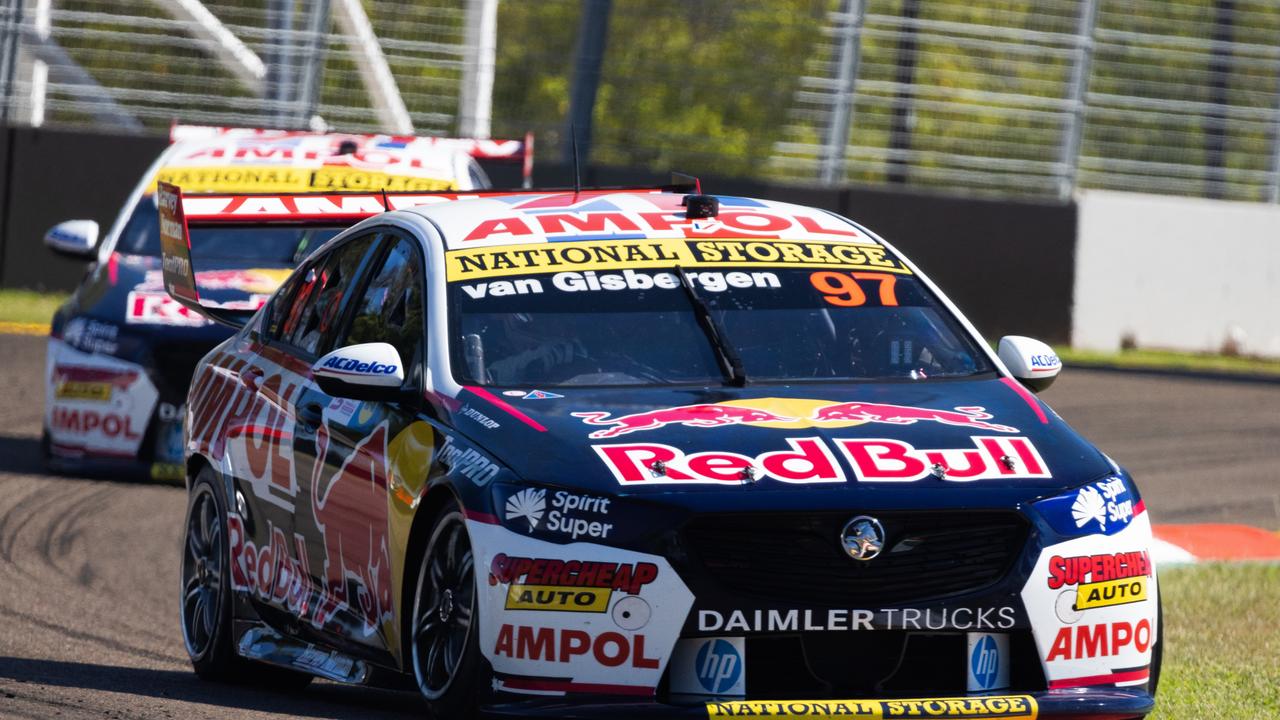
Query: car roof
{"points": [[555, 216]]}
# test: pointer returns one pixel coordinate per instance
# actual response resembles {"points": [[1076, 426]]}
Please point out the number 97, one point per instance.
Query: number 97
{"points": [[843, 290]]}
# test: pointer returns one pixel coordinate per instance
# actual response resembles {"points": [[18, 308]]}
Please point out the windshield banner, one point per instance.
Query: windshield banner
{"points": [[535, 258]]}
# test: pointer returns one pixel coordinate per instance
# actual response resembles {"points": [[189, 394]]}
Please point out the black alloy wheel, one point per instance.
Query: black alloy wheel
{"points": [[206, 595], [205, 587], [444, 644]]}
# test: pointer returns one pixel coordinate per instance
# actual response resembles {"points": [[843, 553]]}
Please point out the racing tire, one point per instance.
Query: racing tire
{"points": [[206, 595], [1157, 651], [444, 641]]}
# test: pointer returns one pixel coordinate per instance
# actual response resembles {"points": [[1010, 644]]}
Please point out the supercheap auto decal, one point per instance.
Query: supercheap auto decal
{"points": [[1093, 601], [96, 403], [579, 617]]}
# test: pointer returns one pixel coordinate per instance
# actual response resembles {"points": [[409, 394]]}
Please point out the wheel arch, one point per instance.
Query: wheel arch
{"points": [[432, 502]]}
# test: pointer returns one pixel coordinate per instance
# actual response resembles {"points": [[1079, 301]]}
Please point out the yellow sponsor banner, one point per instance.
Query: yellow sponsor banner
{"points": [[278, 179], [558, 598], [78, 390], [639, 254], [1111, 592], [1006, 707]]}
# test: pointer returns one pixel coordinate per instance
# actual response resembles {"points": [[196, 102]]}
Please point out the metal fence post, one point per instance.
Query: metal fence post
{"points": [[852, 13], [12, 38], [475, 96], [1073, 131], [312, 69]]}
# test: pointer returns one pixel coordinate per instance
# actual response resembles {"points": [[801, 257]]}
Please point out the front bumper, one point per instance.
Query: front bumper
{"points": [[1078, 704]]}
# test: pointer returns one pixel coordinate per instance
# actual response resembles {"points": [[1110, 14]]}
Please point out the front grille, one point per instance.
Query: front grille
{"points": [[173, 365], [797, 557]]}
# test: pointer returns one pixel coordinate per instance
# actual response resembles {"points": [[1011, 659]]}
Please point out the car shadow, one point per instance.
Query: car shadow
{"points": [[21, 455], [320, 700]]}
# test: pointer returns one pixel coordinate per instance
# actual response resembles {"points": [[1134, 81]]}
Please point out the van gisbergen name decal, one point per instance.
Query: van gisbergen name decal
{"points": [[534, 258]]}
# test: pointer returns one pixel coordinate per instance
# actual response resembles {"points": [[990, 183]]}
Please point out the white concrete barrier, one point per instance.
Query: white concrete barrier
{"points": [[1176, 273]]}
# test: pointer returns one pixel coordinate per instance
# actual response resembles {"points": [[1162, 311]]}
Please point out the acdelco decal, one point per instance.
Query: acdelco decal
{"points": [[563, 645], [626, 577], [1097, 568], [583, 255], [809, 460]]}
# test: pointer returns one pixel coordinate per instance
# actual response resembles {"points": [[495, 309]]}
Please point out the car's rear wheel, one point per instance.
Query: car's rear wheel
{"points": [[445, 648], [206, 594]]}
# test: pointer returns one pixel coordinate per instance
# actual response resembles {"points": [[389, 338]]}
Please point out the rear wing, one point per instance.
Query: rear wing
{"points": [[178, 213], [506, 151]]}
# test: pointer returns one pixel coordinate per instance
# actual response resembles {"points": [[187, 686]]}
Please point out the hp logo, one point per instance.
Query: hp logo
{"points": [[984, 661], [718, 666]]}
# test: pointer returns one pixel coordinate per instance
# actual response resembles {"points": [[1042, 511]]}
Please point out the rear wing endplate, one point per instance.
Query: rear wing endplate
{"points": [[175, 252]]}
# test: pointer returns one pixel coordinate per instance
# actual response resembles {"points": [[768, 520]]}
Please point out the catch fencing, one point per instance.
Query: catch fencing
{"points": [[1004, 97]]}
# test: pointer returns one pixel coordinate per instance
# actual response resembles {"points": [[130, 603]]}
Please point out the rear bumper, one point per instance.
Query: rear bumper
{"points": [[1075, 703], [115, 468]]}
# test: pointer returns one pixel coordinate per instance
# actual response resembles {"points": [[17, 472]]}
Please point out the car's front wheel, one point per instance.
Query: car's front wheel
{"points": [[445, 648]]}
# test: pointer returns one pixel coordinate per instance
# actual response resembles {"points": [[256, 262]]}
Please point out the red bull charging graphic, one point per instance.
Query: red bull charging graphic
{"points": [[788, 413]]}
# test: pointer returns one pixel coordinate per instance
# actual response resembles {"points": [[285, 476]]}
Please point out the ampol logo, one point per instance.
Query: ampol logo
{"points": [[529, 504], [787, 413]]}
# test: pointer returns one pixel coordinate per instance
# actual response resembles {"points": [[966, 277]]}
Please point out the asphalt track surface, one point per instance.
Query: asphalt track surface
{"points": [[89, 568]]}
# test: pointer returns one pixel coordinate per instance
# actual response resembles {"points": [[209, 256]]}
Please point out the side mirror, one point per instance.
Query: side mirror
{"points": [[369, 371], [1032, 362], [73, 238]]}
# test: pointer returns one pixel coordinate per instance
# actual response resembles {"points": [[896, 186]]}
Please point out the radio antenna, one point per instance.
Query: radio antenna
{"points": [[577, 172]]}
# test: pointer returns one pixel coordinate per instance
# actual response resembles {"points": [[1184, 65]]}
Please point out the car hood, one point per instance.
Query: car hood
{"points": [[991, 434]]}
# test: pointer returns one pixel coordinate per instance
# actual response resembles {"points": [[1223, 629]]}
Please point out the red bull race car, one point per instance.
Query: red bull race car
{"points": [[644, 453], [121, 351]]}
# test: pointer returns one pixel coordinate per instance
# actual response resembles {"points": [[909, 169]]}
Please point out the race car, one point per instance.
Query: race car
{"points": [[121, 352], [646, 453]]}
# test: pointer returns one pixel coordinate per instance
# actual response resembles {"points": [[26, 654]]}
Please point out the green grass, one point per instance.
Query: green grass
{"points": [[1170, 360], [1222, 642], [27, 306]]}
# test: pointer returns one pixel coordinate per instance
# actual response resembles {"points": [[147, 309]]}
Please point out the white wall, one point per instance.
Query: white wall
{"points": [[1176, 273]]}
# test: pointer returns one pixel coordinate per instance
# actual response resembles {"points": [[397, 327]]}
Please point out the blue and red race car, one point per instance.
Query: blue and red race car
{"points": [[645, 453]]}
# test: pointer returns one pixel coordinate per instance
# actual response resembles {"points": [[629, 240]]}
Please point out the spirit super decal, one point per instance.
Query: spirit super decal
{"points": [[811, 460], [574, 616]]}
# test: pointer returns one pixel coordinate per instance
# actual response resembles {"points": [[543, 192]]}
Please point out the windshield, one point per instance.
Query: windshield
{"points": [[277, 245], [641, 327]]}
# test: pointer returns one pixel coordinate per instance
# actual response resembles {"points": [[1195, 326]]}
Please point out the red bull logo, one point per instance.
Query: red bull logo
{"points": [[351, 512], [810, 460], [788, 413]]}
